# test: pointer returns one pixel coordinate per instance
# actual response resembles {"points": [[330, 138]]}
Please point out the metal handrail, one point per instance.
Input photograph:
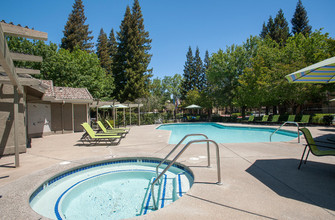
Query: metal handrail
{"points": [[178, 155], [180, 142], [287, 122]]}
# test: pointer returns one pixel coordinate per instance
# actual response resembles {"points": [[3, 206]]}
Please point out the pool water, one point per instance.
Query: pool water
{"points": [[111, 190], [226, 134]]}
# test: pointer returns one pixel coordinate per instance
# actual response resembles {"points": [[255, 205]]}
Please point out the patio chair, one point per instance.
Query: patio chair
{"points": [[316, 149], [94, 138], [291, 118], [104, 130], [110, 126], [275, 119], [304, 119], [251, 119], [265, 119]]}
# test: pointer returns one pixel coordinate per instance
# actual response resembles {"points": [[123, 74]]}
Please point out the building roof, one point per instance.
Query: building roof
{"points": [[72, 93], [67, 94]]}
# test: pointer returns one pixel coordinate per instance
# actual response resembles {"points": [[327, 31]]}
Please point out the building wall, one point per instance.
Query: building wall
{"points": [[39, 119], [7, 121], [61, 117], [80, 116]]}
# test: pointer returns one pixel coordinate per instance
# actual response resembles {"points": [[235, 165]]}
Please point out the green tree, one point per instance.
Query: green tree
{"points": [[132, 58], [223, 74], [189, 73], [102, 51], [78, 69], [281, 29], [76, 33], [142, 38], [300, 20], [172, 85], [199, 72], [268, 29], [35, 47], [112, 47], [122, 57], [264, 31]]}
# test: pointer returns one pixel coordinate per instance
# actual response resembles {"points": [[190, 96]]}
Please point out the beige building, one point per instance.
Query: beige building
{"points": [[43, 109]]}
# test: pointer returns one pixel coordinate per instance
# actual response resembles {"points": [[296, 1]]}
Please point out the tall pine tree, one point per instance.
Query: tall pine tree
{"points": [[199, 74], [131, 61], [112, 48], [300, 20], [189, 70], [264, 32], [206, 67], [277, 29], [281, 29], [102, 51], [76, 33], [123, 56]]}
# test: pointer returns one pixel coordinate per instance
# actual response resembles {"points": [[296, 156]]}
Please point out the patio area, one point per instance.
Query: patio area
{"points": [[260, 180]]}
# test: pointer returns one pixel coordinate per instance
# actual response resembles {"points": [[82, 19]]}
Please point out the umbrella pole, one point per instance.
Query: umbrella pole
{"points": [[124, 117]]}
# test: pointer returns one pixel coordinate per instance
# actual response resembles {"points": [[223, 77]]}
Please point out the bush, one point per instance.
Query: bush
{"points": [[325, 119]]}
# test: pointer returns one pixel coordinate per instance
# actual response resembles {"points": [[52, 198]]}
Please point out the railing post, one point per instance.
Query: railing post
{"points": [[178, 155]]}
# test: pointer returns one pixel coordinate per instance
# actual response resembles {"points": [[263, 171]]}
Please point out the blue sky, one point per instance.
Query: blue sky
{"points": [[173, 25]]}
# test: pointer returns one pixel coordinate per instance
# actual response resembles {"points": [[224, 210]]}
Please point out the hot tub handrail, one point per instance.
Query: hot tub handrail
{"points": [[178, 155], [287, 122], [180, 142]]}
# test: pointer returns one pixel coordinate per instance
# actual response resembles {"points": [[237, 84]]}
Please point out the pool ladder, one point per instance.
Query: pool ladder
{"points": [[287, 122], [179, 154]]}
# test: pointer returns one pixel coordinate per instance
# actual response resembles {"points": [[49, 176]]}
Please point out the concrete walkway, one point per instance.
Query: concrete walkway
{"points": [[260, 180]]}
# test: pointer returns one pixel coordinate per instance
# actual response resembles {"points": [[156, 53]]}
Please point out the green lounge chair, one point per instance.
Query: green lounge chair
{"points": [[304, 119], [275, 119], [291, 118], [314, 148], [251, 119], [116, 129], [93, 138], [265, 119], [111, 131]]}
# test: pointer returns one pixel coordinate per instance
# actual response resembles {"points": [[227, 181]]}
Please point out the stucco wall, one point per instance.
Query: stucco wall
{"points": [[39, 119], [7, 121]]}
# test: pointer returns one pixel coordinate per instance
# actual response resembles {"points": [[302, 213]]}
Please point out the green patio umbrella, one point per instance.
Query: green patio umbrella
{"points": [[322, 72]]}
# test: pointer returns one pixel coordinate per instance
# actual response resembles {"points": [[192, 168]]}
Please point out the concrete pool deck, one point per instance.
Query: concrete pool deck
{"points": [[260, 180]]}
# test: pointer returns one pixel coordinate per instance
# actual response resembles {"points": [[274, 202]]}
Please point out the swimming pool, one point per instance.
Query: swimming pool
{"points": [[226, 134], [115, 189]]}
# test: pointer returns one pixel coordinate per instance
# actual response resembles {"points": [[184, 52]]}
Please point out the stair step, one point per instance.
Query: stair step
{"points": [[182, 185], [167, 191]]}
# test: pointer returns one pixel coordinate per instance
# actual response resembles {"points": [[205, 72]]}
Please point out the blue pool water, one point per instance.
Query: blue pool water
{"points": [[110, 190], [226, 134]]}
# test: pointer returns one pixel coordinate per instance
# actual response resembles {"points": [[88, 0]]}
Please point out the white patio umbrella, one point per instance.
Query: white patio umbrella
{"points": [[193, 106]]}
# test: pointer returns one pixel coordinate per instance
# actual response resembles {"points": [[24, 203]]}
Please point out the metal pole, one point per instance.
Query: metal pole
{"points": [[16, 127], [114, 114], [139, 115], [129, 115], [124, 117]]}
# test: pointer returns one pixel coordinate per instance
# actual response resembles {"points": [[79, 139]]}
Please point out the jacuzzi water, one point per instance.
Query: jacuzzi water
{"points": [[226, 134], [110, 190]]}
